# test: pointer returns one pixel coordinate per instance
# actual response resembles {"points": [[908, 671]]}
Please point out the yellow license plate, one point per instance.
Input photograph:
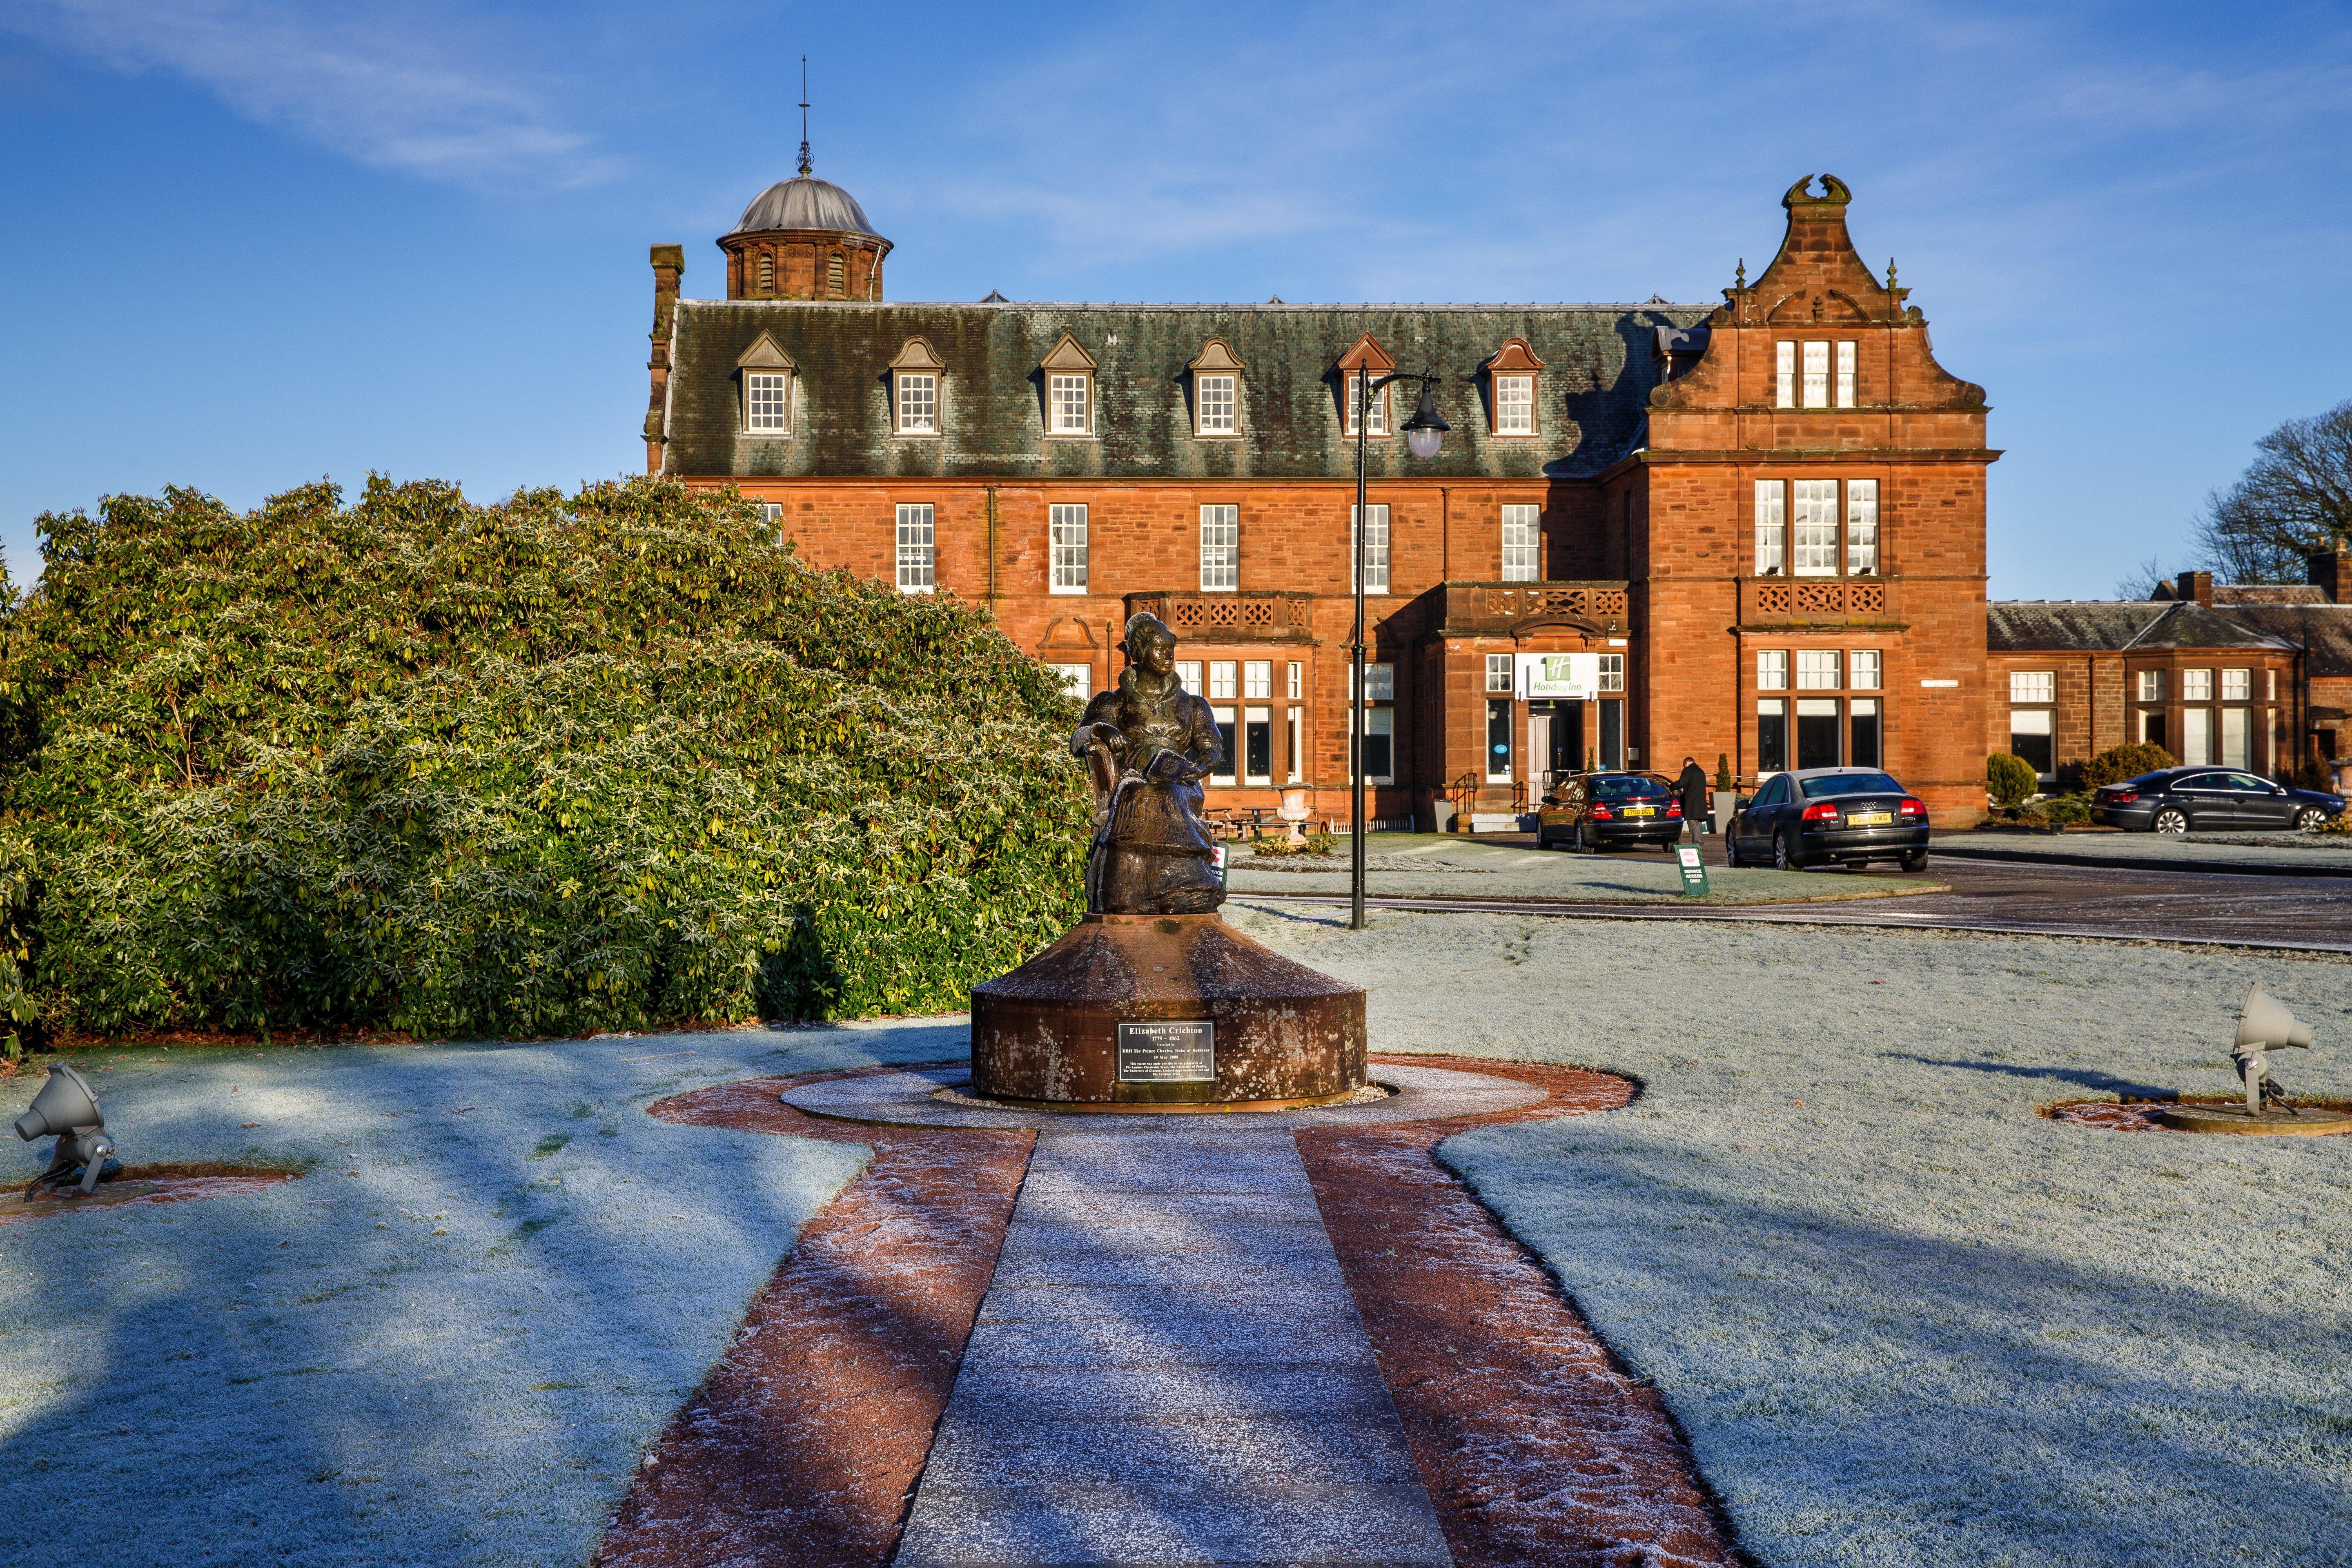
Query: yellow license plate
{"points": [[1641, 811], [1870, 819]]}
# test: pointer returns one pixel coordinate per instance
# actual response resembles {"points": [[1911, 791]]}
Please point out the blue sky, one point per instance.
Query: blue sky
{"points": [[249, 244]]}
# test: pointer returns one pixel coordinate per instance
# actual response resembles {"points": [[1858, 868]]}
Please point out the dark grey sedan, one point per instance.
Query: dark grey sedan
{"points": [[1819, 816], [2209, 799]]}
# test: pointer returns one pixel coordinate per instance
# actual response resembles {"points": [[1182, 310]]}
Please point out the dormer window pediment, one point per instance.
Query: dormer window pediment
{"points": [[1365, 359], [1511, 377], [1069, 373], [917, 378], [766, 374], [1216, 375]]}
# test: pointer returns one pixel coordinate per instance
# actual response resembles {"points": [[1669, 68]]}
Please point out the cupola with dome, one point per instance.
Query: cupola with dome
{"points": [[803, 238]]}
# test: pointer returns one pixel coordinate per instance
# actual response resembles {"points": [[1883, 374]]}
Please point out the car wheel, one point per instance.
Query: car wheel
{"points": [[1783, 861], [2308, 819], [2171, 819], [1731, 852], [1578, 845], [1915, 859]]}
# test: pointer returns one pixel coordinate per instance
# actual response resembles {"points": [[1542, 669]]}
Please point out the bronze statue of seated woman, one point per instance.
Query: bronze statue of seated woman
{"points": [[1148, 743]]}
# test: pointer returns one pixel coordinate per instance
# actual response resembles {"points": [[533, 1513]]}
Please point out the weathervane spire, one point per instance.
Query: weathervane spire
{"points": [[805, 157]]}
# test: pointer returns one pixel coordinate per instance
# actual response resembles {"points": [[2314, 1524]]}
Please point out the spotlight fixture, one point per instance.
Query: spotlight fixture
{"points": [[2264, 1025], [68, 1110]]}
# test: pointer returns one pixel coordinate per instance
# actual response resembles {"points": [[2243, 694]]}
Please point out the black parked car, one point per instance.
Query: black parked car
{"points": [[1819, 816], [2209, 799], [1604, 811]]}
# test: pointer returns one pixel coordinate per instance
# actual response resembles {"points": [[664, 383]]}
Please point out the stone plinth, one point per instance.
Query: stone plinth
{"points": [[1280, 1033]]}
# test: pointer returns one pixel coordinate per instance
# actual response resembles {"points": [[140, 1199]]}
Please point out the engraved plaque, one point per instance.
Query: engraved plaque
{"points": [[1181, 1051]]}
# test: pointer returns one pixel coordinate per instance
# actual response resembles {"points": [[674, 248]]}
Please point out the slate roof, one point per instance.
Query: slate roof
{"points": [[1599, 365], [2235, 593], [2035, 626], [2322, 630]]}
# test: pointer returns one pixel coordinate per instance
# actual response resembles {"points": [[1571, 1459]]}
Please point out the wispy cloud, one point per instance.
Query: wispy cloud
{"points": [[398, 93]]}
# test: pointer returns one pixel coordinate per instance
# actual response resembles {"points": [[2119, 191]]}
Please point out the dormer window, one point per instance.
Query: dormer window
{"points": [[1511, 383], [1069, 389], [915, 389], [1366, 359], [766, 373], [1216, 389]]}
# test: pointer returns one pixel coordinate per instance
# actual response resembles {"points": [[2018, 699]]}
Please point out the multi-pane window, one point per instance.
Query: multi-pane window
{"points": [[1499, 672], [1068, 399], [1257, 679], [1375, 548], [1075, 679], [1522, 537], [1221, 549], [772, 515], [1188, 674], [2237, 685], [767, 401], [1214, 398], [1863, 667], [1067, 526], [1807, 544], [1771, 527], [1296, 686], [1223, 680], [1817, 376], [1514, 406], [1816, 528], [915, 549], [1771, 670], [919, 403], [2151, 685], [1812, 386], [2197, 686], [1612, 672], [2032, 685], [1861, 527], [1817, 669], [1380, 679], [1379, 413]]}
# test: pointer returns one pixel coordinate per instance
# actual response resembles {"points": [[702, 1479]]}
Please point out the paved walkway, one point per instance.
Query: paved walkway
{"points": [[1168, 1367]]}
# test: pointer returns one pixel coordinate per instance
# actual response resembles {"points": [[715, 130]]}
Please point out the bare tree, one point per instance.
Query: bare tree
{"points": [[2141, 581], [2295, 498]]}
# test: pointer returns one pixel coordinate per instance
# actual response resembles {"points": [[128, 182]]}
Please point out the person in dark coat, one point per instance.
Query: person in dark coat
{"points": [[1694, 786]]}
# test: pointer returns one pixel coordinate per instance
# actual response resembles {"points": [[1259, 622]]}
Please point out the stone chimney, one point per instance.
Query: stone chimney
{"points": [[2197, 585], [670, 266], [2332, 570]]}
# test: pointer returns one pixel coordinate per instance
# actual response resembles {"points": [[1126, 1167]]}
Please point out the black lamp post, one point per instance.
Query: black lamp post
{"points": [[1424, 433]]}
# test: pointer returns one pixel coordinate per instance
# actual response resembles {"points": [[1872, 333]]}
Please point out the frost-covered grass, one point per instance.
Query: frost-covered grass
{"points": [[447, 1344], [1904, 1319]]}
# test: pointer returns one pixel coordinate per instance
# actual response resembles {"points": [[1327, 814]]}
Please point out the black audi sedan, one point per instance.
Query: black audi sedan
{"points": [[1607, 811], [1819, 816], [2209, 800]]}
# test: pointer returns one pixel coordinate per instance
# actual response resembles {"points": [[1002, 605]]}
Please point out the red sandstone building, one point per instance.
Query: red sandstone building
{"points": [[1754, 529]]}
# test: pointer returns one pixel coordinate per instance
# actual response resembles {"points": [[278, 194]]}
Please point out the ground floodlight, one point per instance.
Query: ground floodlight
{"points": [[68, 1110], [2264, 1025]]}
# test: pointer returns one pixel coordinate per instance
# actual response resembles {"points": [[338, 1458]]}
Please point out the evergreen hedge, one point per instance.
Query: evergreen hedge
{"points": [[559, 764]]}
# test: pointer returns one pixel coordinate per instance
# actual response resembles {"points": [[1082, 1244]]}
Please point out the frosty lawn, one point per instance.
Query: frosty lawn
{"points": [[454, 1355], [1906, 1321]]}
